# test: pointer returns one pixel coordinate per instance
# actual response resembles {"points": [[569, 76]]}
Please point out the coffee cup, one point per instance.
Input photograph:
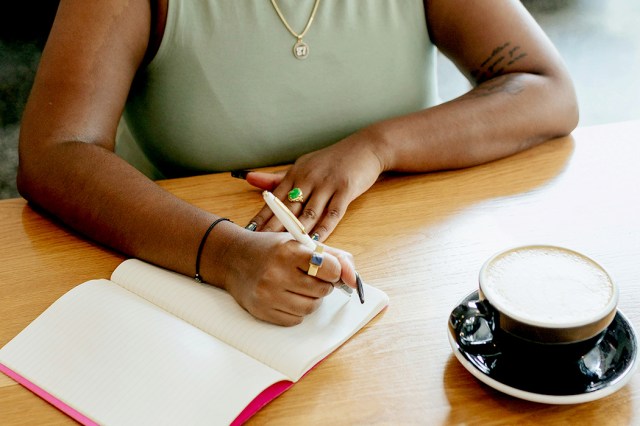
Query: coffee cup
{"points": [[547, 295], [544, 326]]}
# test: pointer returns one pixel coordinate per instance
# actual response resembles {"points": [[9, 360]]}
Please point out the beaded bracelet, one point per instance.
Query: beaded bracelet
{"points": [[198, 277]]}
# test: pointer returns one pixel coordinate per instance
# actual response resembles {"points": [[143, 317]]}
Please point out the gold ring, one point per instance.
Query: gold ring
{"points": [[295, 195], [316, 260]]}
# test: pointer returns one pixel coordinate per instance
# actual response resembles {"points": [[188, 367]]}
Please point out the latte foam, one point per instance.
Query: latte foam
{"points": [[548, 286]]}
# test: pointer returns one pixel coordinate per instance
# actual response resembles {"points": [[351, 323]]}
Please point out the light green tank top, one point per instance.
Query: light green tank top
{"points": [[225, 91]]}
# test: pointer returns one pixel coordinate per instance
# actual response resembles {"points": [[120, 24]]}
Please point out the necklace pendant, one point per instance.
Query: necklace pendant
{"points": [[300, 50]]}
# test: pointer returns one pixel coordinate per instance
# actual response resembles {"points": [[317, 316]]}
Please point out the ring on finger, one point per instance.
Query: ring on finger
{"points": [[295, 196], [316, 260]]}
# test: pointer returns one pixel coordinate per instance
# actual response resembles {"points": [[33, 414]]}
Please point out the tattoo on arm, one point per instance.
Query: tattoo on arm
{"points": [[501, 57]]}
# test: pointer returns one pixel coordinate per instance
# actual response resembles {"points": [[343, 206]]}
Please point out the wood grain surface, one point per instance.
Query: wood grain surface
{"points": [[420, 238]]}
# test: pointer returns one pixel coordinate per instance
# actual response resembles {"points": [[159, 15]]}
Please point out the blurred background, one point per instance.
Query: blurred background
{"points": [[599, 40]]}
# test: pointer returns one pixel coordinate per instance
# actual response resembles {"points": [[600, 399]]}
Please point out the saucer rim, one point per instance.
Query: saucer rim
{"points": [[616, 384]]}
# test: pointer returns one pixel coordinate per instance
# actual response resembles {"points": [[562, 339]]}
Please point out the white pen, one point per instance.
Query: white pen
{"points": [[295, 228]]}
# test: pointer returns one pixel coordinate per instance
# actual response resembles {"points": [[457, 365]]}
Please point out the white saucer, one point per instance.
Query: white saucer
{"points": [[604, 368]]}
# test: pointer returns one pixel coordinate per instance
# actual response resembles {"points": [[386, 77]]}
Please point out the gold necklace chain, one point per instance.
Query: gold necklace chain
{"points": [[300, 49]]}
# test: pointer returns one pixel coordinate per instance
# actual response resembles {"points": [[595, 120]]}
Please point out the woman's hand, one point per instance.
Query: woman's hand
{"points": [[330, 179], [267, 275]]}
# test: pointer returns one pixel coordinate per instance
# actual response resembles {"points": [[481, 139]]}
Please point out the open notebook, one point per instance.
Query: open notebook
{"points": [[154, 347]]}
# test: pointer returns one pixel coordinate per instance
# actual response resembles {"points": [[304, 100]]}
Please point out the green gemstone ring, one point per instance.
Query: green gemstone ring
{"points": [[295, 195]]}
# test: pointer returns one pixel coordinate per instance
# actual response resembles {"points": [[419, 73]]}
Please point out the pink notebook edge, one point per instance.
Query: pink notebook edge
{"points": [[37, 390], [262, 399]]}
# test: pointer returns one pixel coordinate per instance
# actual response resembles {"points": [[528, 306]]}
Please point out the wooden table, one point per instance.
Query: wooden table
{"points": [[420, 238]]}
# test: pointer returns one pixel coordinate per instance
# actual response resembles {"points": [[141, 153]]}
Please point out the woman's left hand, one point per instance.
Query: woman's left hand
{"points": [[330, 179]]}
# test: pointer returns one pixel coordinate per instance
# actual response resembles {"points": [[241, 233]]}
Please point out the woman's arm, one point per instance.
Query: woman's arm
{"points": [[67, 166], [523, 96], [522, 93]]}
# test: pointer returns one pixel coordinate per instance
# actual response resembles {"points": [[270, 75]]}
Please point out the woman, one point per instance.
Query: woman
{"points": [[344, 90]]}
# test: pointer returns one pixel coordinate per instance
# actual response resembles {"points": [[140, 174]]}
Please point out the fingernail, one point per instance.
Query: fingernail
{"points": [[315, 236], [252, 226], [240, 174]]}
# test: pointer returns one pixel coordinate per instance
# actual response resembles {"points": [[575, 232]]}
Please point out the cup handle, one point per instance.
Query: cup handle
{"points": [[473, 325]]}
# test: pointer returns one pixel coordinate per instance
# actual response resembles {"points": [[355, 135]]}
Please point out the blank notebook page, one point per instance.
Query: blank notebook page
{"points": [[121, 360]]}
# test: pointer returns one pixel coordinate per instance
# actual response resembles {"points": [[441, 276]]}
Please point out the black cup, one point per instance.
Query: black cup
{"points": [[524, 329]]}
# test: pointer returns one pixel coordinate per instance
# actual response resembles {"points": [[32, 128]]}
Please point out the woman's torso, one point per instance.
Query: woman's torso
{"points": [[224, 90]]}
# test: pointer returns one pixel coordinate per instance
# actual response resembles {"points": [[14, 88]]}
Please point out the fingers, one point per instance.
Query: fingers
{"points": [[289, 304], [301, 300], [326, 267], [347, 265], [276, 286], [258, 222], [329, 179], [268, 275], [264, 181], [294, 198], [291, 315], [321, 266], [319, 212], [265, 220], [322, 214]]}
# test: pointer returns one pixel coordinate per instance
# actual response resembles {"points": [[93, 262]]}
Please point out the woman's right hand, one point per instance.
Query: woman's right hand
{"points": [[266, 272]]}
